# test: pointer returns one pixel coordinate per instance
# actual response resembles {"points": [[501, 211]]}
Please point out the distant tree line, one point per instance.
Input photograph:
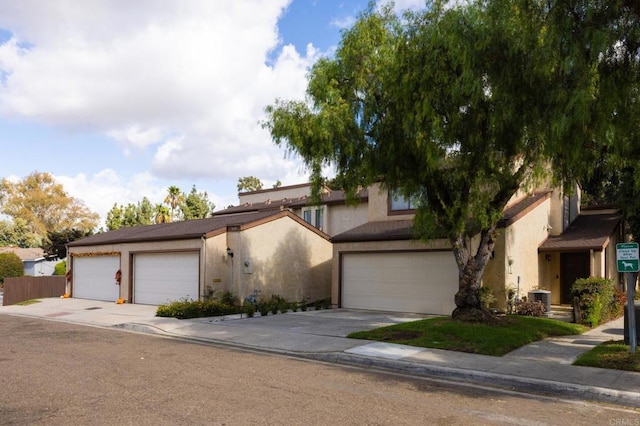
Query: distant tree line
{"points": [[40, 213], [176, 206]]}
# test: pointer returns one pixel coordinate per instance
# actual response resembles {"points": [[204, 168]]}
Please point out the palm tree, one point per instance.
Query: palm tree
{"points": [[162, 214], [174, 198]]}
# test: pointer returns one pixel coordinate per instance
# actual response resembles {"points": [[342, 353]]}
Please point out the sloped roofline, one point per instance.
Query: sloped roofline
{"points": [[189, 229]]}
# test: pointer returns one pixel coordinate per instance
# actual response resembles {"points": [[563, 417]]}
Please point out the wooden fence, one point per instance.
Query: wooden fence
{"points": [[19, 289]]}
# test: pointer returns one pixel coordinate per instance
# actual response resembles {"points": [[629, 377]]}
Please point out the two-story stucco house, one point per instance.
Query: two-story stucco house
{"points": [[543, 243]]}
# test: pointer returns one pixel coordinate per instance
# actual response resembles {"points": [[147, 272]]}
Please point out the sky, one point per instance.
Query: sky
{"points": [[119, 100]]}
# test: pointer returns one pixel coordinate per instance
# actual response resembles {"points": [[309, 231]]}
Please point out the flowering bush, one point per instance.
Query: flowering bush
{"points": [[530, 308]]}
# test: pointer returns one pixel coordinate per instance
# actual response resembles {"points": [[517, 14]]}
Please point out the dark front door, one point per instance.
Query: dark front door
{"points": [[572, 267]]}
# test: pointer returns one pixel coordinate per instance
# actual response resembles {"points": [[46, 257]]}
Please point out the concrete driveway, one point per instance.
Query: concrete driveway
{"points": [[311, 331], [327, 322]]}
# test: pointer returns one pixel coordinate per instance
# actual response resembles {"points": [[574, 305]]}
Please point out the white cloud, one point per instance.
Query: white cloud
{"points": [[188, 80], [98, 191]]}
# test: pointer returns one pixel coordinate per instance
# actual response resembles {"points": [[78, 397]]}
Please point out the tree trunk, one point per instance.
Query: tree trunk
{"points": [[470, 270]]}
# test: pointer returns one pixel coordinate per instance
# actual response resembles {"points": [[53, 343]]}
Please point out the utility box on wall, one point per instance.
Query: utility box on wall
{"points": [[247, 266]]}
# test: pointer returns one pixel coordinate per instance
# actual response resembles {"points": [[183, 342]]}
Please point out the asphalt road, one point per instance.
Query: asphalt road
{"points": [[56, 373]]}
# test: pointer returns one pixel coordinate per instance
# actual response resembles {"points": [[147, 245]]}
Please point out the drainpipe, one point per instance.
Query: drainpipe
{"points": [[203, 255]]}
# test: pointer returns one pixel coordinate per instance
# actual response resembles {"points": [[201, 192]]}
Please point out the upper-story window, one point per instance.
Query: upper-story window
{"points": [[319, 219], [399, 202], [314, 216]]}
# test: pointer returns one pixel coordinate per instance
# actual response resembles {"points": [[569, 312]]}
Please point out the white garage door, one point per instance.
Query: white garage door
{"points": [[94, 277], [418, 282], [165, 277]]}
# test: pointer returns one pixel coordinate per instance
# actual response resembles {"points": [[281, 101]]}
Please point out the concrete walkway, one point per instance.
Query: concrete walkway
{"points": [[542, 367]]}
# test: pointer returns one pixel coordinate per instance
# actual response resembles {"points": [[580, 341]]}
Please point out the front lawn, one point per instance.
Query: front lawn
{"points": [[505, 335], [613, 354]]}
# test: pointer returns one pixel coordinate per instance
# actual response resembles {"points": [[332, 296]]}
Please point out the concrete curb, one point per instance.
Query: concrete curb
{"points": [[514, 383]]}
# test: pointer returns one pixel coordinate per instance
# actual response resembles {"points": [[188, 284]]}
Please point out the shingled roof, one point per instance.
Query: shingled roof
{"points": [[384, 230], [186, 229], [587, 232], [390, 230], [31, 253]]}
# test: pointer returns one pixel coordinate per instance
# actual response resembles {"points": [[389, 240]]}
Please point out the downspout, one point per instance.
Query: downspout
{"points": [[203, 259], [591, 263]]}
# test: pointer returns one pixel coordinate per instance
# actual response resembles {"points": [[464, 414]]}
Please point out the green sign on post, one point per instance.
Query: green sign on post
{"points": [[627, 257]]}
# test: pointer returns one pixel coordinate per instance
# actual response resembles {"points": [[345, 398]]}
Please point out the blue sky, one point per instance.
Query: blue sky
{"points": [[119, 100]]}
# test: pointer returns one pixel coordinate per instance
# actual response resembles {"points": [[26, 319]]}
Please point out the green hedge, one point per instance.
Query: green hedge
{"points": [[599, 301], [10, 266], [185, 309]]}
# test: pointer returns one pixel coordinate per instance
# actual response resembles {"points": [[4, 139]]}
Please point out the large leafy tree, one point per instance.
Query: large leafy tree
{"points": [[17, 233], [196, 205], [56, 242], [460, 108], [44, 205], [249, 183], [141, 213]]}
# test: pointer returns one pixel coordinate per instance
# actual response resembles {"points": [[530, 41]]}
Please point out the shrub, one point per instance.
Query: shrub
{"points": [[616, 307], [60, 268], [530, 308], [249, 309], [10, 266], [227, 298], [595, 298], [189, 308], [263, 306], [486, 297]]}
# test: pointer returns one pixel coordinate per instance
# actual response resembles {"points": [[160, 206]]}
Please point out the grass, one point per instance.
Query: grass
{"points": [[613, 354], [488, 339], [28, 302]]}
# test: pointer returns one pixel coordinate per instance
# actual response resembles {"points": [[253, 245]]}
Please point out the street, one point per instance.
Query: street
{"points": [[57, 373]]}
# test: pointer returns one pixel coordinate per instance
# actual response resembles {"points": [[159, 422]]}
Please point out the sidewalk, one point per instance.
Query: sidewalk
{"points": [[542, 367]]}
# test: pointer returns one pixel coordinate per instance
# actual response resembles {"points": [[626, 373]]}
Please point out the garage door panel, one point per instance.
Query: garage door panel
{"points": [[165, 277], [94, 277], [421, 282]]}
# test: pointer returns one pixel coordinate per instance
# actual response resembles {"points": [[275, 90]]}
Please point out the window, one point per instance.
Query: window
{"points": [[400, 203], [314, 216]]}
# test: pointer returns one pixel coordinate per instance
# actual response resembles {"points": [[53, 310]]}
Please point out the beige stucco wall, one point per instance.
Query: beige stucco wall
{"points": [[522, 240], [516, 262], [375, 246], [293, 191], [611, 264], [129, 249], [217, 268], [379, 205], [341, 218], [278, 257]]}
